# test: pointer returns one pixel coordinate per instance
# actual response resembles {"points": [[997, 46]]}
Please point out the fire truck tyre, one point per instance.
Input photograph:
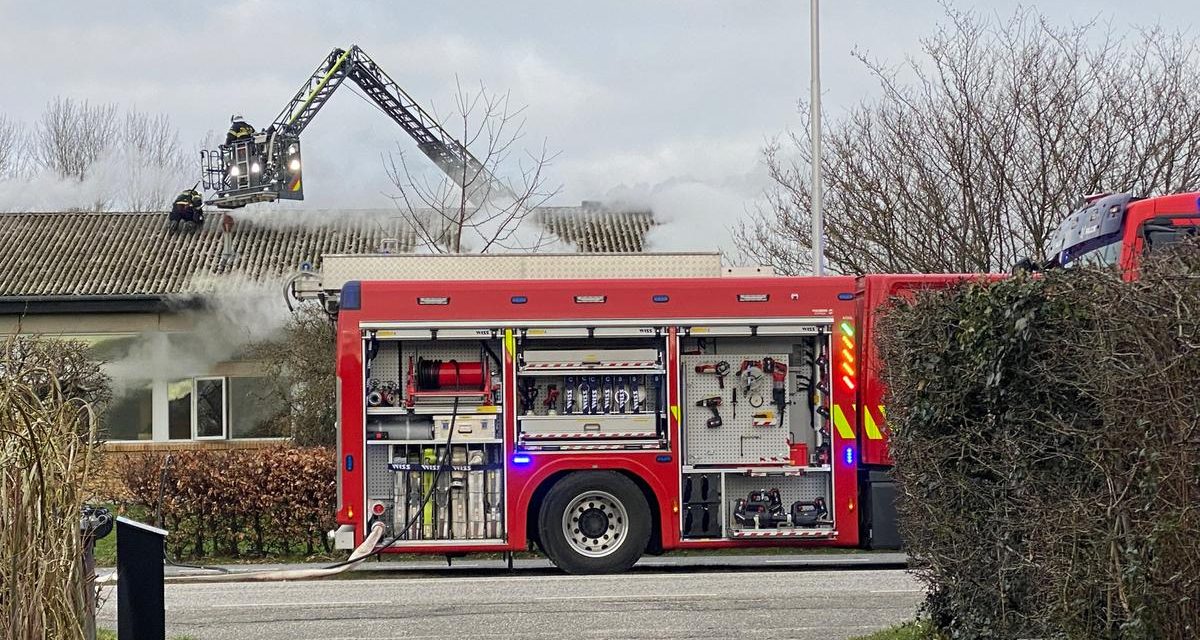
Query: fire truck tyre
{"points": [[594, 522]]}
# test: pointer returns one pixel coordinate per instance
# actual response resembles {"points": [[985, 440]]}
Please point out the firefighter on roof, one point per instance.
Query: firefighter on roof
{"points": [[188, 207], [239, 129]]}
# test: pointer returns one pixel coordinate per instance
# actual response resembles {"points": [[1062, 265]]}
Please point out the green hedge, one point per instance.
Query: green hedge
{"points": [[1046, 433]]}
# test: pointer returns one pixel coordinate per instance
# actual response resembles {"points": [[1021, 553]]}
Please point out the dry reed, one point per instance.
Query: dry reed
{"points": [[47, 451]]}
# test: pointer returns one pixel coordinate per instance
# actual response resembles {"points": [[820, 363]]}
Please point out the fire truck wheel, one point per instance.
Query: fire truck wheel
{"points": [[594, 522]]}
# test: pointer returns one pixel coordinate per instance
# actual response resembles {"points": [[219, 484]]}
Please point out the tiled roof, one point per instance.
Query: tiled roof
{"points": [[598, 230], [106, 254]]}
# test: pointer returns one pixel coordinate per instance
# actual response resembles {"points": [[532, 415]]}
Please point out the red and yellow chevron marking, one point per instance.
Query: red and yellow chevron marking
{"points": [[295, 184], [841, 423], [870, 427]]}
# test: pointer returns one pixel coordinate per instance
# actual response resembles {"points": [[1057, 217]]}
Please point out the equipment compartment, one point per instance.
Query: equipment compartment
{"points": [[702, 505], [438, 493], [434, 436], [778, 505], [732, 419], [756, 417], [613, 392], [426, 376]]}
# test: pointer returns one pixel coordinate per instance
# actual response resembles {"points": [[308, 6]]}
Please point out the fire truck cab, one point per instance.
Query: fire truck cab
{"points": [[1116, 230], [602, 407]]}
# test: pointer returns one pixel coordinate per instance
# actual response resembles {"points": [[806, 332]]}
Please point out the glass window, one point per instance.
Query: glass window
{"points": [[1104, 256], [210, 407], [255, 408], [130, 416], [109, 348], [179, 410], [1162, 236]]}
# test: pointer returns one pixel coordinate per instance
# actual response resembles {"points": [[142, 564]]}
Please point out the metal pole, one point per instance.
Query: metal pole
{"points": [[818, 218]]}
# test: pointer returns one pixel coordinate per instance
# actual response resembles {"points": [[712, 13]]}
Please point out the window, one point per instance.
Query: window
{"points": [[179, 410], [1161, 236], [130, 416], [1103, 256], [255, 408], [210, 408], [109, 347]]}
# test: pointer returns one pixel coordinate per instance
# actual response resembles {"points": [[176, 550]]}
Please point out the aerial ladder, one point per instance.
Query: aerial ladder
{"points": [[267, 167]]}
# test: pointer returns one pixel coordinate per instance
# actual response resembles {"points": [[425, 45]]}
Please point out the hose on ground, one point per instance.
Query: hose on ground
{"points": [[360, 553]]}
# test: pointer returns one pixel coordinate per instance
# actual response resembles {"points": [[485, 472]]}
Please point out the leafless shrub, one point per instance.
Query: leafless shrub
{"points": [[973, 152], [488, 211]]}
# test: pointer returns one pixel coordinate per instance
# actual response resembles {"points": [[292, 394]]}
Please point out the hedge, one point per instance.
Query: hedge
{"points": [[276, 501], [1046, 434]]}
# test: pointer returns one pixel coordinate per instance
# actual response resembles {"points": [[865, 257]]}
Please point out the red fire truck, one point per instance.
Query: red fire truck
{"points": [[601, 407], [603, 417]]}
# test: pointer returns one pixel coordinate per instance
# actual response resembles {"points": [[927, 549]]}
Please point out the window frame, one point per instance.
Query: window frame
{"points": [[224, 435]]}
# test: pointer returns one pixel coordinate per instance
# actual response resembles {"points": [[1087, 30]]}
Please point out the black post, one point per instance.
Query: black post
{"points": [[94, 523], [141, 613]]}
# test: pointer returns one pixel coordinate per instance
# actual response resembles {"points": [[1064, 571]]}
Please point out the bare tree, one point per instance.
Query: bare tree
{"points": [[153, 161], [73, 135], [483, 209], [973, 152], [13, 148]]}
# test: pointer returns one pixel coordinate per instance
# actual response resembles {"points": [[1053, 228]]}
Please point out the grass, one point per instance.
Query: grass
{"points": [[906, 631]]}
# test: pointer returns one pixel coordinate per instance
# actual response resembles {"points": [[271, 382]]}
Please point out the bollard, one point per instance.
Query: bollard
{"points": [[141, 612], [94, 523]]}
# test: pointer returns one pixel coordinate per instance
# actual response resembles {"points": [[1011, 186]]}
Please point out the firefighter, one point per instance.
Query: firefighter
{"points": [[188, 207], [239, 129]]}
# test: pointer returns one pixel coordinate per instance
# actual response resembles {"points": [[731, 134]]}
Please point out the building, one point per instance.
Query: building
{"points": [[169, 311]]}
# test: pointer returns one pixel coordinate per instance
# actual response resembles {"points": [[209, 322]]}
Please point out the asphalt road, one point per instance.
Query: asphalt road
{"points": [[790, 602]]}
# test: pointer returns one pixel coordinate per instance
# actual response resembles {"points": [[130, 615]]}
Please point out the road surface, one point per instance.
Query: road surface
{"points": [[658, 604]]}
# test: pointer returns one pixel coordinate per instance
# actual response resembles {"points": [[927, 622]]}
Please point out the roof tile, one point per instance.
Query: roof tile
{"points": [[73, 253]]}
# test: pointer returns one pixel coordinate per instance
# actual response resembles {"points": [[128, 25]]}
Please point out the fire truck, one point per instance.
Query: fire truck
{"points": [[600, 407], [605, 406]]}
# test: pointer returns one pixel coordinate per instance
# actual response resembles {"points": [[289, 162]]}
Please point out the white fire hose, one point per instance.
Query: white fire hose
{"points": [[356, 557]]}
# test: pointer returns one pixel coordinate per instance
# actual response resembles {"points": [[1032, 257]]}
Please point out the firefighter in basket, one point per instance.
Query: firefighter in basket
{"points": [[239, 130]]}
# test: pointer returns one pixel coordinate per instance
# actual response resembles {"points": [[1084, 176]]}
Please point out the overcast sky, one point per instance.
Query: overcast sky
{"points": [[665, 101]]}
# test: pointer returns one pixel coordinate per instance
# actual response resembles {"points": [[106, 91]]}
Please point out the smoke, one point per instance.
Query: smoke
{"points": [[691, 214], [236, 314], [122, 179]]}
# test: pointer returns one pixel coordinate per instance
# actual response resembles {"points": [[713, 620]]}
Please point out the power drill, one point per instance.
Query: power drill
{"points": [[711, 404], [778, 371]]}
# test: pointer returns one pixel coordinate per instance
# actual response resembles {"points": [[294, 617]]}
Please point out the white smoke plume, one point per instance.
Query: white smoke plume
{"points": [[235, 313], [118, 181]]}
